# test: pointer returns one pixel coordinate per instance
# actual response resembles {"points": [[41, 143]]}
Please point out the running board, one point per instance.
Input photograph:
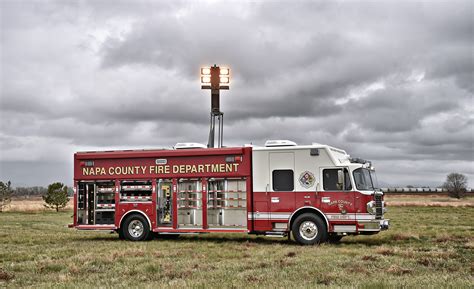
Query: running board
{"points": [[275, 234]]}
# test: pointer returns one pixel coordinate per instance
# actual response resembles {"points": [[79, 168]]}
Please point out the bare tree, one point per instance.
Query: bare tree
{"points": [[456, 185], [6, 193]]}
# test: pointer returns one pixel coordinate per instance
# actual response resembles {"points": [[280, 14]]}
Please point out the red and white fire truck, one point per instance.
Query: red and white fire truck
{"points": [[315, 192]]}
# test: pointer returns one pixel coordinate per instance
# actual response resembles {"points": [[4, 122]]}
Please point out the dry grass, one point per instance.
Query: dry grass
{"points": [[35, 204], [32, 204], [427, 247], [427, 201]]}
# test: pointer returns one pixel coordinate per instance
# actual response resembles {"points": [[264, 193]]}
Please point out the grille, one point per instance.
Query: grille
{"points": [[378, 206]]}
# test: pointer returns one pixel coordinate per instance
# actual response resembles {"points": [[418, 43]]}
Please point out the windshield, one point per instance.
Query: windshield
{"points": [[363, 180], [375, 181]]}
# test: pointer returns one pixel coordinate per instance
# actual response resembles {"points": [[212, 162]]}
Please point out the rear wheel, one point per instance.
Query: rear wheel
{"points": [[135, 228], [309, 229]]}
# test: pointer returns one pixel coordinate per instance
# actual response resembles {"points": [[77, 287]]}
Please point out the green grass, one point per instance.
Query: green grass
{"points": [[426, 247]]}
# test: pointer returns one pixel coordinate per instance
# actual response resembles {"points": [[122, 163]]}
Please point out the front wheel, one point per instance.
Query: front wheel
{"points": [[135, 228], [309, 229]]}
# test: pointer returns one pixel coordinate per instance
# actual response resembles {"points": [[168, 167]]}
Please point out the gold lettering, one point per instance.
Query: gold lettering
{"points": [[236, 167], [215, 168], [194, 169], [152, 169], [201, 168], [182, 169], [175, 169], [143, 169], [167, 169], [228, 168], [188, 168], [207, 167], [85, 172]]}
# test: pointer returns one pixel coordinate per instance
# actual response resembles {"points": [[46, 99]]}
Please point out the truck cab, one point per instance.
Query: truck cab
{"points": [[316, 192]]}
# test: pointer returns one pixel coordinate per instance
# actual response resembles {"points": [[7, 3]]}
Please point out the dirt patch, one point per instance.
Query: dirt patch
{"points": [[404, 237], [397, 270], [4, 276], [369, 258], [385, 251]]}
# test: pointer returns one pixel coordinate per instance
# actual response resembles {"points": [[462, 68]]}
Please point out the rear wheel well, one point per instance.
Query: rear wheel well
{"points": [[311, 211], [124, 217]]}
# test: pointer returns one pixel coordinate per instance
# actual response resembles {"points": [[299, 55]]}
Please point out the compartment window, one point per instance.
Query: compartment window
{"points": [[283, 180]]}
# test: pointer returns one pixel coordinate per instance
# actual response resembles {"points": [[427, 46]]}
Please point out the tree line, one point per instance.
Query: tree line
{"points": [[36, 191], [56, 196]]}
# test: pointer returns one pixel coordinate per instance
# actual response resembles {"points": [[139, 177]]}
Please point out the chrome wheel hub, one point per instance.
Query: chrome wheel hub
{"points": [[308, 230], [135, 228]]}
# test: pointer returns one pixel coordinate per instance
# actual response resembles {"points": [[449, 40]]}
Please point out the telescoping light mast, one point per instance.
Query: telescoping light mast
{"points": [[215, 78]]}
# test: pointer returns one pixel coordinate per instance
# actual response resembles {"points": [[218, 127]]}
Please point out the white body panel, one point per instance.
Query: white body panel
{"points": [[297, 158]]}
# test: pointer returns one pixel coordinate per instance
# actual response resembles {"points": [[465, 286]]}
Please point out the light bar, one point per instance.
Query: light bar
{"points": [[215, 77], [224, 71], [205, 71]]}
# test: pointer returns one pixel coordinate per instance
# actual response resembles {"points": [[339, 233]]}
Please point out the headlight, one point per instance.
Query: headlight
{"points": [[371, 207]]}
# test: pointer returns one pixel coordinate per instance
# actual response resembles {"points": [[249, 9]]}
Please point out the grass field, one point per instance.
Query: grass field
{"points": [[426, 247]]}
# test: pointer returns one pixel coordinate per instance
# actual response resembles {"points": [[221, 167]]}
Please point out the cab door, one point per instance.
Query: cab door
{"points": [[337, 199], [281, 196]]}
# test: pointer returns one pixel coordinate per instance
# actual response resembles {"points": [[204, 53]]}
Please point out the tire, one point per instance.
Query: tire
{"points": [[334, 239], [135, 228], [120, 233], [309, 229]]}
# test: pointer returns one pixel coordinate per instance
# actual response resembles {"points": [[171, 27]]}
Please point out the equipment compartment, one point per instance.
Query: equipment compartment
{"points": [[189, 203], [227, 203]]}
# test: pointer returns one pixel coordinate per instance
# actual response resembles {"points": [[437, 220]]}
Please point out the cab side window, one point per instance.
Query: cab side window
{"points": [[330, 180], [283, 180]]}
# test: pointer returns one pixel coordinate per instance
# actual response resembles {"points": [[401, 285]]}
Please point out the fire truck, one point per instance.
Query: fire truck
{"points": [[314, 192]]}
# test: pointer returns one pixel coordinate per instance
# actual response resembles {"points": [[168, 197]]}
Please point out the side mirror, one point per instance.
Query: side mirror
{"points": [[340, 179]]}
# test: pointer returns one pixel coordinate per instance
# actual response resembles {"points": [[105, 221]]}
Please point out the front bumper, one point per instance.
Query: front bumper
{"points": [[374, 225]]}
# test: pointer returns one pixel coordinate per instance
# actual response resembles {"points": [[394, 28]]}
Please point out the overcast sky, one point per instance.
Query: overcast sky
{"points": [[391, 82]]}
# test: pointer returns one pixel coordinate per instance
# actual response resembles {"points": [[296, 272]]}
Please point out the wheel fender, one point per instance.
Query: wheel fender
{"points": [[135, 211], [312, 208]]}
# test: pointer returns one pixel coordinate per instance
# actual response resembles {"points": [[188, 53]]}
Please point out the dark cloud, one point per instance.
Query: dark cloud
{"points": [[391, 81]]}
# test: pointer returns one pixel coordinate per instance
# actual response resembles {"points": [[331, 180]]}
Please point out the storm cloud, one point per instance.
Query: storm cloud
{"points": [[388, 81]]}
